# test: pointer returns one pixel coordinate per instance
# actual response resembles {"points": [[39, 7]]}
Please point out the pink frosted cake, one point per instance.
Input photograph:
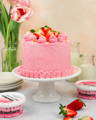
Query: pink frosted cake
{"points": [[46, 54]]}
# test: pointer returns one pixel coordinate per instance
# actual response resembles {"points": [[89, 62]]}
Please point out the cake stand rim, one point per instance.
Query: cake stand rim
{"points": [[48, 79]]}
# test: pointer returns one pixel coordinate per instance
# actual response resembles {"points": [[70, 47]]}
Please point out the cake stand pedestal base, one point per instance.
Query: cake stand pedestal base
{"points": [[46, 93]]}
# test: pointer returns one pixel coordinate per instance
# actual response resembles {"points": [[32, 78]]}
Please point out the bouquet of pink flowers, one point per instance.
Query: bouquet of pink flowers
{"points": [[20, 10]]}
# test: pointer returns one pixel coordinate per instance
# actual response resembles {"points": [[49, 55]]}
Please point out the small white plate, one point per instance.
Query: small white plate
{"points": [[7, 78], [10, 85], [10, 88]]}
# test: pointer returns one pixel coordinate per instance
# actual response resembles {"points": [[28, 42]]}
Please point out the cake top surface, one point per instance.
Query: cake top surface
{"points": [[45, 35]]}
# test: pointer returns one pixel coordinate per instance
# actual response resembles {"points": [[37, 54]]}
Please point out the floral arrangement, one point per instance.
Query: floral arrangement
{"points": [[10, 21]]}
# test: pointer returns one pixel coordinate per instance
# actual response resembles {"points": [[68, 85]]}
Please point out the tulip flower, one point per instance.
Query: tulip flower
{"points": [[20, 13]]}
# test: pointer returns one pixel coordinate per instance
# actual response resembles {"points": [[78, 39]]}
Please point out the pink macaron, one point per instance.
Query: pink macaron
{"points": [[86, 89]]}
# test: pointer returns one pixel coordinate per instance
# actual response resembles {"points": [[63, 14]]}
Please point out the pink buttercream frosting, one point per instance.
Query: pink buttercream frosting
{"points": [[29, 37], [46, 60], [41, 39], [45, 74], [53, 39], [62, 37]]}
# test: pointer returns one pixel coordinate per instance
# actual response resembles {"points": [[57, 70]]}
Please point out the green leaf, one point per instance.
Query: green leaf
{"points": [[2, 28], [33, 31], [46, 26], [12, 34], [15, 33], [4, 18], [4, 13], [62, 111]]}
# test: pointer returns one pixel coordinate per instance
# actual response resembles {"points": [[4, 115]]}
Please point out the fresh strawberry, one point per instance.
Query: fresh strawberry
{"points": [[76, 105], [56, 33], [67, 118], [66, 112], [86, 118], [39, 33], [49, 33], [46, 29]]}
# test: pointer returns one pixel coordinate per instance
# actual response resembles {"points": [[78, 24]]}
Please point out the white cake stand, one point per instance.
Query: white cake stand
{"points": [[46, 91]]}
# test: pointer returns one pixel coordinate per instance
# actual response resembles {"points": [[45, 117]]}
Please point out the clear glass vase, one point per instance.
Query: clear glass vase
{"points": [[9, 59]]}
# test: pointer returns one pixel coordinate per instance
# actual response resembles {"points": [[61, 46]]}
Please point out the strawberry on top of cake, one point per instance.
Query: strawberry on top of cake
{"points": [[45, 34]]}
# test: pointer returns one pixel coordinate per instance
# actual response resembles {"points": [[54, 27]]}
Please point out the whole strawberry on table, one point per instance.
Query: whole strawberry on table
{"points": [[76, 105], [70, 111], [67, 112]]}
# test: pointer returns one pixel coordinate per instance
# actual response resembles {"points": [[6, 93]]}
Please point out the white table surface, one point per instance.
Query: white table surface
{"points": [[49, 111]]}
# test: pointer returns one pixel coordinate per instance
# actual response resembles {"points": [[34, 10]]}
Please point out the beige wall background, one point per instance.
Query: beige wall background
{"points": [[76, 17]]}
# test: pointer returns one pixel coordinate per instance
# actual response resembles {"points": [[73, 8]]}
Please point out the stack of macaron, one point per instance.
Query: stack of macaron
{"points": [[86, 89]]}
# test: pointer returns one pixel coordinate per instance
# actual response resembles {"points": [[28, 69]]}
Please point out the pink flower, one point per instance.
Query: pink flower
{"points": [[30, 37], [62, 37], [52, 39], [41, 39], [21, 2], [21, 13]]}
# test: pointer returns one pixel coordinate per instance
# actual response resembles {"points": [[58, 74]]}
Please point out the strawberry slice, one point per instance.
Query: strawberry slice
{"points": [[56, 33], [66, 112], [76, 105], [39, 33], [45, 29], [49, 33], [67, 118]]}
